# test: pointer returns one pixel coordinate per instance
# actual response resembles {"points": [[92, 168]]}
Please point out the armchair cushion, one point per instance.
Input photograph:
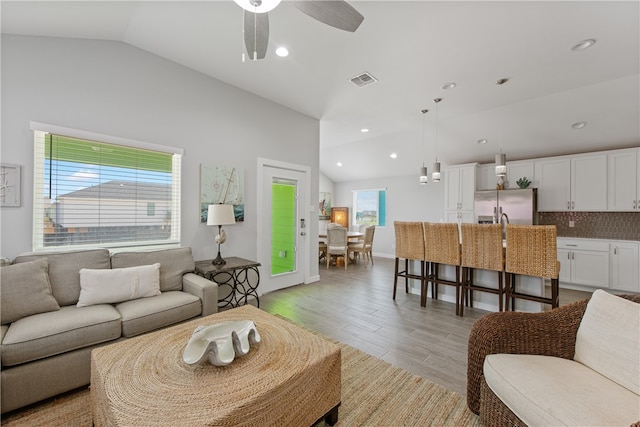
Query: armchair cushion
{"points": [[608, 339], [550, 391]]}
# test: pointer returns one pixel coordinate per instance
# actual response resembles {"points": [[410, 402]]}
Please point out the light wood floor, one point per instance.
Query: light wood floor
{"points": [[356, 307]]}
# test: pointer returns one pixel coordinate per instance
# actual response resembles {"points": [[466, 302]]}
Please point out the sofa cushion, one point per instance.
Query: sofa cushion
{"points": [[608, 339], [47, 334], [147, 314], [174, 263], [25, 290], [551, 391], [118, 284], [64, 268]]}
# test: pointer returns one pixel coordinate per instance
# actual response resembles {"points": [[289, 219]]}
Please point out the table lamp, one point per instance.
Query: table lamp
{"points": [[220, 215]]}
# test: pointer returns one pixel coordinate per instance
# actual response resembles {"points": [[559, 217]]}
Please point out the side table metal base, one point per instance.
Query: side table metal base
{"points": [[240, 276]]}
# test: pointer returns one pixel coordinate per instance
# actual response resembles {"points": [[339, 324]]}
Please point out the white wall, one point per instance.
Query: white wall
{"points": [[326, 186], [407, 200], [115, 89]]}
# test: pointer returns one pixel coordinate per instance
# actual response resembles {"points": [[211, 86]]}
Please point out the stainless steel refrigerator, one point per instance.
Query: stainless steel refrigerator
{"points": [[519, 205]]}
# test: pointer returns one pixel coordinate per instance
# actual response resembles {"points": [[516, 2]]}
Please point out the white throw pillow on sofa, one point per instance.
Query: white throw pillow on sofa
{"points": [[108, 286]]}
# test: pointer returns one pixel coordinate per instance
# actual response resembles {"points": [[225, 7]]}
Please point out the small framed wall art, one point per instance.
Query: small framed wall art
{"points": [[9, 185]]}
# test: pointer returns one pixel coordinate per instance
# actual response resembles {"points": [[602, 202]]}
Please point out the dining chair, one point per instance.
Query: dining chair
{"points": [[481, 249], [322, 250], [409, 247], [337, 245], [442, 247], [364, 246], [532, 251]]}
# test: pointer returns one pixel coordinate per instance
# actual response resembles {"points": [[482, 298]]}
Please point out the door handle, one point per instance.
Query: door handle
{"points": [[573, 205], [568, 205], [568, 255], [302, 233]]}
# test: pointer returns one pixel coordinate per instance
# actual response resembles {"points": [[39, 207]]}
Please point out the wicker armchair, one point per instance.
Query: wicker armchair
{"points": [[551, 333]]}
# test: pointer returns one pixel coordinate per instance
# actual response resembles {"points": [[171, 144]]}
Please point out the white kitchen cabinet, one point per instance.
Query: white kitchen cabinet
{"points": [[589, 183], [577, 183], [553, 181], [625, 266], [624, 180], [584, 262], [517, 170], [460, 188], [486, 178]]}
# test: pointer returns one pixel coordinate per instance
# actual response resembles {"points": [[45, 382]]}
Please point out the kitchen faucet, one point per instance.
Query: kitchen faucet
{"points": [[504, 227]]}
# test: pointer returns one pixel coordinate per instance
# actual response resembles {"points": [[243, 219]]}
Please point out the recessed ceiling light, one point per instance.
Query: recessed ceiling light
{"points": [[578, 125], [282, 51], [584, 44], [393, 156], [364, 130], [339, 164], [481, 141], [448, 86]]}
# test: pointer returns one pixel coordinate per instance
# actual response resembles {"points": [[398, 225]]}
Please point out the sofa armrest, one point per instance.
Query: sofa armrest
{"points": [[551, 333], [204, 289]]}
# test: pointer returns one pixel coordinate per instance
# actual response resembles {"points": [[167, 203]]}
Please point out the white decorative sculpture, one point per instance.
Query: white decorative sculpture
{"points": [[220, 343]]}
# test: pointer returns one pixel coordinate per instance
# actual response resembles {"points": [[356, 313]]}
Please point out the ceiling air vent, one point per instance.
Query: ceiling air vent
{"points": [[363, 79]]}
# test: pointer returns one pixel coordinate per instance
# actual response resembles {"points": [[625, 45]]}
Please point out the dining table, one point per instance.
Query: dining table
{"points": [[350, 235]]}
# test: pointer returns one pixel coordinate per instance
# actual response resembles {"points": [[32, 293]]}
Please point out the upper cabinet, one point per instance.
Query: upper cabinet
{"points": [[624, 180], [517, 170], [486, 178], [553, 180], [576, 183], [589, 183]]}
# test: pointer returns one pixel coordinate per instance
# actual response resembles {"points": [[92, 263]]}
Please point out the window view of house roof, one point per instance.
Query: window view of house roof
{"points": [[123, 190]]}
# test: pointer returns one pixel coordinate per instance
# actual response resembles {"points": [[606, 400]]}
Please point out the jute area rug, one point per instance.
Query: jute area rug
{"points": [[374, 393]]}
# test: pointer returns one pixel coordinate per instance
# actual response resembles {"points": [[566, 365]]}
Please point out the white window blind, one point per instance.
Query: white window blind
{"points": [[90, 192]]}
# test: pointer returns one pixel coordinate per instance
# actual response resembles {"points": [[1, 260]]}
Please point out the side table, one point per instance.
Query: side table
{"points": [[241, 277]]}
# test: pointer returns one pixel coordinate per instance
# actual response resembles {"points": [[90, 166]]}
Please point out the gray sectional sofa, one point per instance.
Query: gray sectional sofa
{"points": [[46, 339]]}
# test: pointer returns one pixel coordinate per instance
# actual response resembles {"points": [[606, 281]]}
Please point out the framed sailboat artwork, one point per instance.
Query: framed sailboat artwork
{"points": [[221, 184]]}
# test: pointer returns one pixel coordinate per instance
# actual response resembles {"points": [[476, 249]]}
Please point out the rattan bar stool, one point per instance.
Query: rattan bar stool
{"points": [[409, 246], [532, 251], [442, 247], [482, 249]]}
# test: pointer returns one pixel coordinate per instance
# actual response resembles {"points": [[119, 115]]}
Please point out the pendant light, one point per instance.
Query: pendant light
{"points": [[501, 159], [424, 177], [435, 175]]}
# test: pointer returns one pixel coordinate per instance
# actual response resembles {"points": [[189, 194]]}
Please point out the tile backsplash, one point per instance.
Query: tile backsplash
{"points": [[594, 225]]}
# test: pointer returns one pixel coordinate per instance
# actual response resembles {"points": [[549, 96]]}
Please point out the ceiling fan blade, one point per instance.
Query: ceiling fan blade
{"points": [[337, 13], [256, 34]]}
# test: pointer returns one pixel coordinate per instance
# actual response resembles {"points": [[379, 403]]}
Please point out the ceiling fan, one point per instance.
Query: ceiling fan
{"points": [[336, 13]]}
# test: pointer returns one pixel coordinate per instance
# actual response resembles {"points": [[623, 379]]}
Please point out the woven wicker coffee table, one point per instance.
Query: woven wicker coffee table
{"points": [[291, 378]]}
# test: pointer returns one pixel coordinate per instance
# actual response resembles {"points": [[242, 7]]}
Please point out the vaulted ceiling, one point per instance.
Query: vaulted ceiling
{"points": [[413, 49]]}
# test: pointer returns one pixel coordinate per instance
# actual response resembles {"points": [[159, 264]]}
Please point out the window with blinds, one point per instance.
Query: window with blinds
{"points": [[90, 192]]}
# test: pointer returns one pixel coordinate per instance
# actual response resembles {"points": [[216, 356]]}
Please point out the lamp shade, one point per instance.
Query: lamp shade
{"points": [[423, 175], [220, 214], [501, 164], [435, 175]]}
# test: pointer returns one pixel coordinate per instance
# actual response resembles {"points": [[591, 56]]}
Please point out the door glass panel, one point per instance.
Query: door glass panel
{"points": [[283, 225]]}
